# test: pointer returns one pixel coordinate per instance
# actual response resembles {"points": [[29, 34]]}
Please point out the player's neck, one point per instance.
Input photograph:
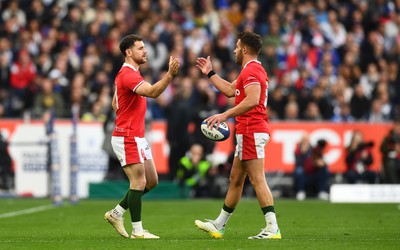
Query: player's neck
{"points": [[247, 59], [132, 62]]}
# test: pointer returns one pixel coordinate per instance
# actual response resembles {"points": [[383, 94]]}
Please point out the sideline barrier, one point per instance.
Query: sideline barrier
{"points": [[117, 189], [30, 159], [365, 193], [279, 151]]}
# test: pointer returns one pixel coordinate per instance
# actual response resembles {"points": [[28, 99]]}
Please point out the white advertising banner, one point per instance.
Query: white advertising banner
{"points": [[28, 148], [365, 193]]}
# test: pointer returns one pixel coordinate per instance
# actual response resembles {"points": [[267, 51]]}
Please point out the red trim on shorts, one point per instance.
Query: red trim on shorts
{"points": [[249, 150], [131, 150]]}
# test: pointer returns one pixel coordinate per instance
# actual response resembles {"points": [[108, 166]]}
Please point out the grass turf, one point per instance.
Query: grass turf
{"points": [[304, 225]]}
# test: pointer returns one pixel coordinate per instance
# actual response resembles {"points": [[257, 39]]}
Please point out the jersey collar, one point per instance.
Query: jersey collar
{"points": [[130, 66], [250, 62]]}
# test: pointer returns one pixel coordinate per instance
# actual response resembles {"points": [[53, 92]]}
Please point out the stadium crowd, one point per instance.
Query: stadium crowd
{"points": [[327, 60]]}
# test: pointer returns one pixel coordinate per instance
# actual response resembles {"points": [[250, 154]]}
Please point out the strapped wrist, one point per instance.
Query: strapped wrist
{"points": [[211, 73]]}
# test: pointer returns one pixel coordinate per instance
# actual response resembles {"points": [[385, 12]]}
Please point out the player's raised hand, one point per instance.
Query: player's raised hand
{"points": [[173, 66], [204, 64]]}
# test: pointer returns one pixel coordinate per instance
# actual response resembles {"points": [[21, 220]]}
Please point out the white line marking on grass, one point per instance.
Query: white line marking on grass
{"points": [[27, 211]]}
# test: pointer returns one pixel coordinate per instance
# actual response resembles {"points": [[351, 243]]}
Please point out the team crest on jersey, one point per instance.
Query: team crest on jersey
{"points": [[237, 92]]}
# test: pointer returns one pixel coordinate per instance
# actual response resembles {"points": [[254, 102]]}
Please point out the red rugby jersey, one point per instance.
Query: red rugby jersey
{"points": [[255, 120], [130, 120]]}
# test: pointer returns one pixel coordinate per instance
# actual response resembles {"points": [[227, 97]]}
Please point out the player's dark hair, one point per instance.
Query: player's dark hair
{"points": [[251, 40], [127, 42]]}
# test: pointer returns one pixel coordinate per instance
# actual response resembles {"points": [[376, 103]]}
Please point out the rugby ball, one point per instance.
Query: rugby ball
{"points": [[216, 134]]}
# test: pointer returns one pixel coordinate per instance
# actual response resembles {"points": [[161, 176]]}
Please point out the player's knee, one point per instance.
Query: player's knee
{"points": [[256, 182], [138, 184], [152, 183], [235, 182]]}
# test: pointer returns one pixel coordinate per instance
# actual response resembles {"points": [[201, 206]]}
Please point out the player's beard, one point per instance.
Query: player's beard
{"points": [[140, 60], [239, 57]]}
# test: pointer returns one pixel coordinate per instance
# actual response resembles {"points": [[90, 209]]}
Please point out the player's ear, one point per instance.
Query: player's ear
{"points": [[128, 52], [245, 50]]}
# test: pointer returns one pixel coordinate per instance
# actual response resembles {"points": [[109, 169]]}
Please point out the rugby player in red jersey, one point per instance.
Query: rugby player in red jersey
{"points": [[250, 90], [128, 141]]}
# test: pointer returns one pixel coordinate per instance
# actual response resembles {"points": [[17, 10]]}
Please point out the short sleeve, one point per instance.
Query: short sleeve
{"points": [[133, 81], [249, 78]]}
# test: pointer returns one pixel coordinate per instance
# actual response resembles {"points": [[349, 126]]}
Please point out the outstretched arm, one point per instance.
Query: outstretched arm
{"points": [[225, 87], [155, 90]]}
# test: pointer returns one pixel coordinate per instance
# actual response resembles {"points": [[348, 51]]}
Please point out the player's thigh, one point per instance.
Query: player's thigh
{"points": [[128, 149], [238, 173], [136, 174], [151, 172], [255, 170]]}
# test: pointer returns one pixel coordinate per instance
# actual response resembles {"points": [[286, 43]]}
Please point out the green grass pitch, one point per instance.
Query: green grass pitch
{"points": [[304, 225]]}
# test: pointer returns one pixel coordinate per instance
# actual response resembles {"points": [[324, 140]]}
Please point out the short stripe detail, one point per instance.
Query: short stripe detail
{"points": [[252, 83], [140, 83]]}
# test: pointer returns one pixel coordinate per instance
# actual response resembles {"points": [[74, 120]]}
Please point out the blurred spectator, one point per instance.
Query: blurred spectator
{"points": [[37, 13], [77, 95], [6, 171], [312, 112], [114, 169], [292, 111], [23, 73], [178, 118], [203, 107], [382, 94], [219, 178], [344, 114], [47, 100], [370, 79], [359, 160], [390, 154], [4, 82], [157, 53], [234, 13], [333, 30], [15, 15], [375, 115], [324, 106], [311, 172], [2, 110], [96, 114], [277, 102], [73, 20], [359, 103], [193, 172], [393, 163]]}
